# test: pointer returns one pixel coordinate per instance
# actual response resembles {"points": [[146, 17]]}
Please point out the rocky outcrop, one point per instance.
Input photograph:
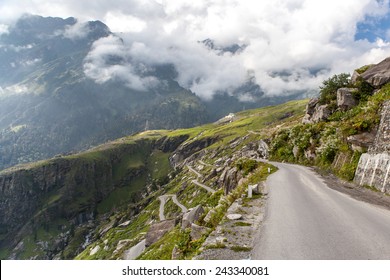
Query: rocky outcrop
{"points": [[374, 167], [158, 230], [321, 113], [379, 74], [229, 179], [346, 99], [191, 216], [316, 112], [361, 142], [187, 149], [374, 170]]}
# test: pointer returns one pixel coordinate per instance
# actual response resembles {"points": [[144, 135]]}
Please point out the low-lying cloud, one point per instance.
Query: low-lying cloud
{"points": [[290, 45]]}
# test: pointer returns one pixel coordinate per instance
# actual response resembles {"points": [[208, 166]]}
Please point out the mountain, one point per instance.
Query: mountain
{"points": [[164, 194], [56, 97], [49, 106]]}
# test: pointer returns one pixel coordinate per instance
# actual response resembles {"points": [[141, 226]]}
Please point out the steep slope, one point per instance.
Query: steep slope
{"points": [[110, 194]]}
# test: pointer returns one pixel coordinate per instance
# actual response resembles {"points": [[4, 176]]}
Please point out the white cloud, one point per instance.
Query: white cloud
{"points": [[79, 30], [109, 60], [3, 29], [305, 40], [120, 22]]}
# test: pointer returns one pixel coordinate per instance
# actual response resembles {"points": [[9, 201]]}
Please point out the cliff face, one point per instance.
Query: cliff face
{"points": [[374, 167]]}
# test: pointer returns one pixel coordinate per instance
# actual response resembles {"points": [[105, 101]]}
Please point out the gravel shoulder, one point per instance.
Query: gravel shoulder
{"points": [[355, 191]]}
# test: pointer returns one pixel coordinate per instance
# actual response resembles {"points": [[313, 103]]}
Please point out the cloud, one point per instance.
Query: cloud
{"points": [[3, 29], [109, 60], [290, 45], [79, 30]]}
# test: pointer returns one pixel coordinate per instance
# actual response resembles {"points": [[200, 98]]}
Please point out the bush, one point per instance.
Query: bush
{"points": [[246, 165], [330, 86]]}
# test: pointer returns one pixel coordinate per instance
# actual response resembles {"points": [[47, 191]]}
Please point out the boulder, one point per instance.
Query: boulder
{"points": [[234, 217], [157, 231], [310, 107], [321, 113], [346, 99], [176, 253], [355, 77], [362, 141], [262, 149], [229, 179], [379, 74], [209, 215], [198, 231], [94, 250], [191, 216]]}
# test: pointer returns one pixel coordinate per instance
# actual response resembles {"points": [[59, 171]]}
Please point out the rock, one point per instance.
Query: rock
{"points": [[125, 224], [345, 98], [191, 216], [176, 253], [209, 215], [94, 250], [233, 217], [315, 112], [295, 151], [106, 228], [121, 243], [263, 149], [157, 231], [135, 251], [311, 106], [361, 141], [321, 113], [310, 155], [229, 179], [374, 170], [198, 231], [355, 77], [379, 74]]}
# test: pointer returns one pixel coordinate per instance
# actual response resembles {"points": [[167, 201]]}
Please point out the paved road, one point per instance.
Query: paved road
{"points": [[195, 172], [203, 186], [163, 200], [307, 220]]}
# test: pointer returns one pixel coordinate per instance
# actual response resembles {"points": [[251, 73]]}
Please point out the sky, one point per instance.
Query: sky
{"points": [[287, 46]]}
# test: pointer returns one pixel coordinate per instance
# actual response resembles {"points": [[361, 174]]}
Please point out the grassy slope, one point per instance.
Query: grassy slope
{"points": [[255, 124]]}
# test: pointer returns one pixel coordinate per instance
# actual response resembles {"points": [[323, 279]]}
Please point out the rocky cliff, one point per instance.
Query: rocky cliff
{"points": [[374, 166]]}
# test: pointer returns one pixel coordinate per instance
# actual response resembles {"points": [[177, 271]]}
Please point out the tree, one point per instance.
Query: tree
{"points": [[328, 90]]}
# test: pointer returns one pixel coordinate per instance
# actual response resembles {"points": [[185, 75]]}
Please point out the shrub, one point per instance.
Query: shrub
{"points": [[330, 86]]}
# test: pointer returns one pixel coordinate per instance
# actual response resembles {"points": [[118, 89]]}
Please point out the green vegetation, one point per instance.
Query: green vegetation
{"points": [[330, 86], [241, 249], [324, 144]]}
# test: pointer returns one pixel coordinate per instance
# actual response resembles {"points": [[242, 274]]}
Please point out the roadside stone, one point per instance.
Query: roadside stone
{"points": [[234, 217]]}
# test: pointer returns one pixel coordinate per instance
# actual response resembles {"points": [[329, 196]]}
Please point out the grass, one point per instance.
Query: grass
{"points": [[242, 224], [240, 249]]}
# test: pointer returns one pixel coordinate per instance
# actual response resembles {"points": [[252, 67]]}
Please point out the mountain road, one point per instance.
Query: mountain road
{"points": [[305, 219]]}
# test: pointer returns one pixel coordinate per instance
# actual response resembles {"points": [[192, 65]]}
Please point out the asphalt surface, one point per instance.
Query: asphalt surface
{"points": [[305, 219]]}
